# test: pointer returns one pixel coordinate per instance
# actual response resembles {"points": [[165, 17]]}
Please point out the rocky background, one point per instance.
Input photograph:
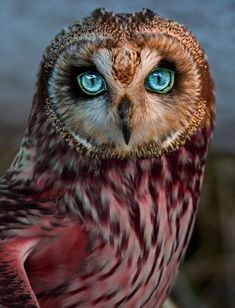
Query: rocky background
{"points": [[207, 277]]}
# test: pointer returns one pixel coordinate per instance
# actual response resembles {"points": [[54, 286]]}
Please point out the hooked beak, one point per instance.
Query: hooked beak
{"points": [[124, 116]]}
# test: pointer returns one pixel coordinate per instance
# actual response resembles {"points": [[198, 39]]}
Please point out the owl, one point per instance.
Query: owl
{"points": [[98, 206]]}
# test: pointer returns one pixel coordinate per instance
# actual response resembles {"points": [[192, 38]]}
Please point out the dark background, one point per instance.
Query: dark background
{"points": [[207, 277]]}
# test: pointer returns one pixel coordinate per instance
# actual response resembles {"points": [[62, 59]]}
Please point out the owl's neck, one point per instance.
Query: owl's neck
{"points": [[46, 166]]}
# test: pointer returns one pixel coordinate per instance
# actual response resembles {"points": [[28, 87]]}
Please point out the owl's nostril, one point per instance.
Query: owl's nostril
{"points": [[124, 116]]}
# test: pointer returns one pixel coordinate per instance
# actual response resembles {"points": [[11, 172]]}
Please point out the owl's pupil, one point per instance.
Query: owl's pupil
{"points": [[158, 79], [161, 80], [91, 78]]}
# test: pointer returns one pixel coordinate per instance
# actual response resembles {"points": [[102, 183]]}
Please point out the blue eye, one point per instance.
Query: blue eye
{"points": [[91, 83], [160, 80]]}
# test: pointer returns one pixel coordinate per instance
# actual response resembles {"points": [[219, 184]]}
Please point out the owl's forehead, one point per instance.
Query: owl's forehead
{"points": [[120, 59], [117, 58], [124, 61]]}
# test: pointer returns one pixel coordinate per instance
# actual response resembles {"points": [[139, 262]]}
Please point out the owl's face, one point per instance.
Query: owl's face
{"points": [[125, 87]]}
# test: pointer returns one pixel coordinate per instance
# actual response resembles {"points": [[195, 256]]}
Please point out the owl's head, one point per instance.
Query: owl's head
{"points": [[126, 85]]}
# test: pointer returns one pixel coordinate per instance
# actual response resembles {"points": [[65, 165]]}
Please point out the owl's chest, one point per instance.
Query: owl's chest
{"points": [[125, 256], [127, 234], [72, 271]]}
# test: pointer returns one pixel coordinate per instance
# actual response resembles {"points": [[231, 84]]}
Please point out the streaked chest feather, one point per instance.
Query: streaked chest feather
{"points": [[136, 217]]}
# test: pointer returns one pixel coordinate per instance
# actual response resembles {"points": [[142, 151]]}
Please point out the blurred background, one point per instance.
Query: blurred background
{"points": [[207, 277]]}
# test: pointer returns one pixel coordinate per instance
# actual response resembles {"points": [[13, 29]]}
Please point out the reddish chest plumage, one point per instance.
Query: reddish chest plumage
{"points": [[123, 232]]}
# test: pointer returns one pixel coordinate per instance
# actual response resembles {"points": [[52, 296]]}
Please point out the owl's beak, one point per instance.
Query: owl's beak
{"points": [[124, 116]]}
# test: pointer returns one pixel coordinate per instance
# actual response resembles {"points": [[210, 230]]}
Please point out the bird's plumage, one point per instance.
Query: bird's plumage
{"points": [[99, 204]]}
